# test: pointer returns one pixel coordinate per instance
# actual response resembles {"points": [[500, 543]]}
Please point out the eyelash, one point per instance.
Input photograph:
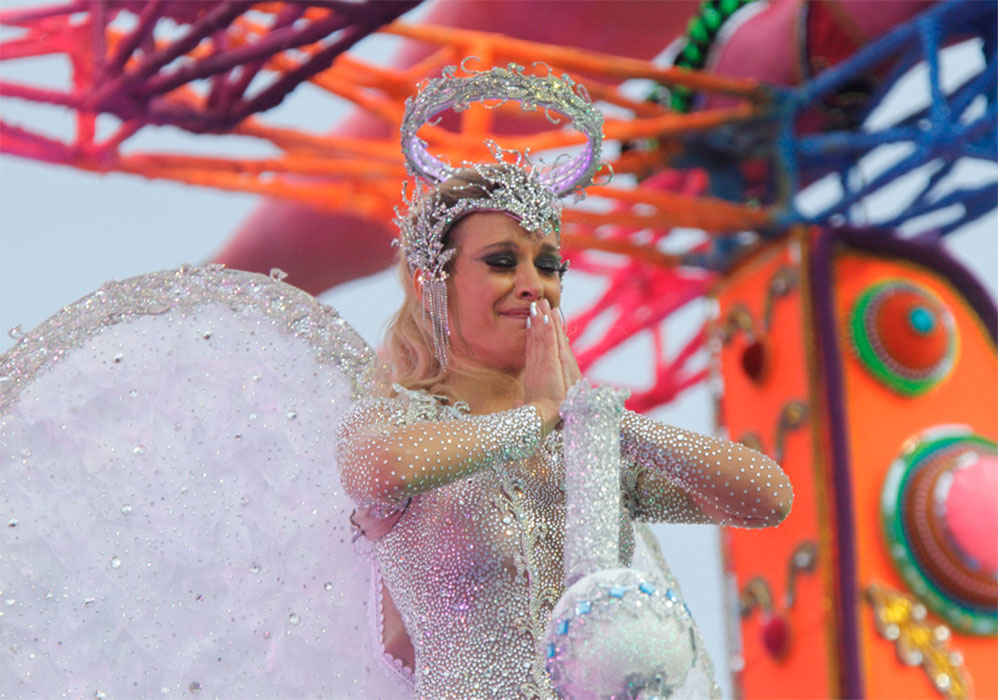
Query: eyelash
{"points": [[505, 262]]}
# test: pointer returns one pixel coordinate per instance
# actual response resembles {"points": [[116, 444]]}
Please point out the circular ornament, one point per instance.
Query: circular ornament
{"points": [[940, 517], [620, 633], [904, 336]]}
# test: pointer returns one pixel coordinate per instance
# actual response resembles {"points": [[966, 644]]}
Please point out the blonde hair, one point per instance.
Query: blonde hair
{"points": [[409, 339]]}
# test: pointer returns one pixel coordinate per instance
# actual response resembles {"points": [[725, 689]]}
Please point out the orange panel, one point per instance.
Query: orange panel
{"points": [[879, 421], [755, 406]]}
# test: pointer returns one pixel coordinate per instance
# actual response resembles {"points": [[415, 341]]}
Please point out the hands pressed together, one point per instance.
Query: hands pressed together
{"points": [[550, 369]]}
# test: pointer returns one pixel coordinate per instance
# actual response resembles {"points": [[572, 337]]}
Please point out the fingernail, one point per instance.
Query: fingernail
{"points": [[545, 317], [533, 308], [561, 315], [528, 321]]}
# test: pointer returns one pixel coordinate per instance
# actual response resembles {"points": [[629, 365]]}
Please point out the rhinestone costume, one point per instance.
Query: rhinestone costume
{"points": [[474, 563]]}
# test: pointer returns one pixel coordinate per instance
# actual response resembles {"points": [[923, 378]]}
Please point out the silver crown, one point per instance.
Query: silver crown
{"points": [[555, 95]]}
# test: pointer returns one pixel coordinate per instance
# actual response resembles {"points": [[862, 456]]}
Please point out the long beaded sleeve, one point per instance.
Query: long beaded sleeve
{"points": [[674, 475], [391, 449]]}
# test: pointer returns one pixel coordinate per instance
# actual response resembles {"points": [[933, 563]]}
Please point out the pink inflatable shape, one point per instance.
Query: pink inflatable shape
{"points": [[972, 511]]}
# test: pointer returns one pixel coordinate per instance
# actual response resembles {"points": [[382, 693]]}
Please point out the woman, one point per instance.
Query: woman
{"points": [[459, 474]]}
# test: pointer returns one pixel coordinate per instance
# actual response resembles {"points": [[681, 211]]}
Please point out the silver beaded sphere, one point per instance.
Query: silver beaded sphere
{"points": [[619, 633]]}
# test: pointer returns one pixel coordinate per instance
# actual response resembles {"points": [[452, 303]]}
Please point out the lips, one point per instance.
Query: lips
{"points": [[516, 313]]}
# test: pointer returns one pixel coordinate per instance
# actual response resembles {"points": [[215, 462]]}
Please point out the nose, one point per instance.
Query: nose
{"points": [[529, 285]]}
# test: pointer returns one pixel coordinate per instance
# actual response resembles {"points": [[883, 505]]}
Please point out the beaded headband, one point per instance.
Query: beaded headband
{"points": [[528, 193]]}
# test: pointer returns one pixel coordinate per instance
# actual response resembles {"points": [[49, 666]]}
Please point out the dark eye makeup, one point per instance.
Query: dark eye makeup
{"points": [[547, 264], [500, 260]]}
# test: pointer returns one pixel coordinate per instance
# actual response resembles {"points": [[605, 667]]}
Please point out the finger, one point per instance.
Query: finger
{"points": [[568, 361], [545, 309], [550, 329], [565, 353], [560, 335], [542, 344], [533, 345], [537, 332]]}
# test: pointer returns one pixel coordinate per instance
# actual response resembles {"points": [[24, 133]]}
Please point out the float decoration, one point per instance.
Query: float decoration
{"points": [[941, 523], [904, 336], [776, 630], [901, 619]]}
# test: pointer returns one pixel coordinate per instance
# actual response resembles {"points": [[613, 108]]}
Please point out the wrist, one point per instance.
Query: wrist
{"points": [[548, 412]]}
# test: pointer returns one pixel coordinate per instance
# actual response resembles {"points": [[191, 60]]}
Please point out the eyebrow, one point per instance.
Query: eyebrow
{"points": [[511, 243]]}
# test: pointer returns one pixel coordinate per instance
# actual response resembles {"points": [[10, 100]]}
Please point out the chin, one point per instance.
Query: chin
{"points": [[506, 365], [509, 363], [504, 353], [489, 359]]}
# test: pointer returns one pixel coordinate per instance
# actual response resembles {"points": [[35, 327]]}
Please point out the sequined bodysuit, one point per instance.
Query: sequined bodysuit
{"points": [[475, 565]]}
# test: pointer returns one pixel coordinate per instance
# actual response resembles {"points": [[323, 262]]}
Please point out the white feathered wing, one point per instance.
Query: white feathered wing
{"points": [[171, 516]]}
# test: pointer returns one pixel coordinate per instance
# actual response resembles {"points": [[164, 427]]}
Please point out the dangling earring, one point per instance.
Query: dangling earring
{"points": [[434, 297]]}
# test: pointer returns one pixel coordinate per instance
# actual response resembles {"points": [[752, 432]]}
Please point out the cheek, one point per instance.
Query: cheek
{"points": [[552, 291], [471, 304], [485, 293]]}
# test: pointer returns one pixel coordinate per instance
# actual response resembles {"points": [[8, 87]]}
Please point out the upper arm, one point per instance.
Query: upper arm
{"points": [[363, 448]]}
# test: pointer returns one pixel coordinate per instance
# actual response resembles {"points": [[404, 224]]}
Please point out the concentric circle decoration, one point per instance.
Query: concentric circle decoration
{"points": [[940, 516], [904, 335]]}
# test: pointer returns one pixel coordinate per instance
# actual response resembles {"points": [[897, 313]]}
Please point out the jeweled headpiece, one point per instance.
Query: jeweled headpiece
{"points": [[528, 192]]}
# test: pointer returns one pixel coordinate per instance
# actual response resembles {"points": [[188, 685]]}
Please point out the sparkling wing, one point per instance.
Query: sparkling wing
{"points": [[171, 517]]}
